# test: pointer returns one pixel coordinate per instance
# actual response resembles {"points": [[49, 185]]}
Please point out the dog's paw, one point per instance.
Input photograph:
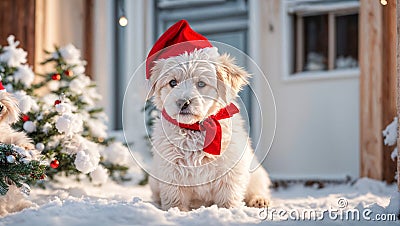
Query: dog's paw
{"points": [[258, 202]]}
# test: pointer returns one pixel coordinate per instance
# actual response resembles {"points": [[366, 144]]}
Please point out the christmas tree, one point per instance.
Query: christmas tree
{"points": [[17, 165], [60, 115]]}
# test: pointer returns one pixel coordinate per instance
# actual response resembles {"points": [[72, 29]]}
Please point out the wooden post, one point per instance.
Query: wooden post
{"points": [[378, 67], [370, 60], [389, 83], [88, 36], [17, 17], [398, 92]]}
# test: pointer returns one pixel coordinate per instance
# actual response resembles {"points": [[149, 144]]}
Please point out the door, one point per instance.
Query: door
{"points": [[220, 21]]}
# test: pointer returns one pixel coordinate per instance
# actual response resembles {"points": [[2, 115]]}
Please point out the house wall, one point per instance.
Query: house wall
{"points": [[317, 134], [317, 131]]}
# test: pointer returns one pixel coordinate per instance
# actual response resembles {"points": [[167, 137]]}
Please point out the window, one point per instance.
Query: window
{"points": [[325, 36], [346, 41]]}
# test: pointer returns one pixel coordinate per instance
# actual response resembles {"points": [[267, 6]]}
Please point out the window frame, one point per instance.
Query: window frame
{"points": [[290, 9]]}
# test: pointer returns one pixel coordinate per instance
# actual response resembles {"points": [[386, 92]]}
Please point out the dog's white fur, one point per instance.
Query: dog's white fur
{"points": [[14, 200], [10, 114], [183, 175]]}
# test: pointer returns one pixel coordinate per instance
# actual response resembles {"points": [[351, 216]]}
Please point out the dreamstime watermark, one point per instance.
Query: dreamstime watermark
{"points": [[339, 213]]}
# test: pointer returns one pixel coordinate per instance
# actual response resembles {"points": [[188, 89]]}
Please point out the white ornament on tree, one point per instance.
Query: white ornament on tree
{"points": [[10, 158], [40, 147], [63, 108], [29, 127]]}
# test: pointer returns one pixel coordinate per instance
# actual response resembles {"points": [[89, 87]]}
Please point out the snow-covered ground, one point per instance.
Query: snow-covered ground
{"points": [[73, 203]]}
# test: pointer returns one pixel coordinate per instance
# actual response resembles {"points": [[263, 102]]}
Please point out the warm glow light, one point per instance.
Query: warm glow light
{"points": [[123, 21], [383, 2]]}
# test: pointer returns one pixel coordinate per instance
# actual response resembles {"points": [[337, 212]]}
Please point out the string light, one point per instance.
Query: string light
{"points": [[123, 21], [383, 2]]}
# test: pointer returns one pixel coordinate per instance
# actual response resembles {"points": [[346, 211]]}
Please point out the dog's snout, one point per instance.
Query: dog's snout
{"points": [[183, 103]]}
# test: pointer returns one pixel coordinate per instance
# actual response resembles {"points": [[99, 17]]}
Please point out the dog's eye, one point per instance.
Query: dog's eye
{"points": [[201, 84], [173, 83], [1, 108]]}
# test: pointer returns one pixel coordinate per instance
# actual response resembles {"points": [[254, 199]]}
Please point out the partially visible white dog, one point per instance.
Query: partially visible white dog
{"points": [[14, 200], [189, 88], [9, 113]]}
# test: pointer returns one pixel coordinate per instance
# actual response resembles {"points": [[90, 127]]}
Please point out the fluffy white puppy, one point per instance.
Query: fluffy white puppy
{"points": [[189, 88], [14, 200], [9, 113]]}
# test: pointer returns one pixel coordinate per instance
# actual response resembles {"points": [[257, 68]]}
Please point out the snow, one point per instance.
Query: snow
{"points": [[320, 6], [99, 175], [81, 203], [69, 124], [117, 153], [87, 160], [393, 155], [346, 62], [25, 102], [394, 204], [390, 133], [12, 55], [390, 138], [25, 75], [315, 61], [72, 56]]}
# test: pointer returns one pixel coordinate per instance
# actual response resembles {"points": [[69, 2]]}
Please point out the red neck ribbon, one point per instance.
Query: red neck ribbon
{"points": [[211, 125]]}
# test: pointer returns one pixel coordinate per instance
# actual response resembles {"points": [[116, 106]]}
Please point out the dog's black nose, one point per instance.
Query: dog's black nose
{"points": [[183, 103]]}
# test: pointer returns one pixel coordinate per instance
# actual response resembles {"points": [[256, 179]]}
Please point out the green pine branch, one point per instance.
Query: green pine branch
{"points": [[18, 171]]}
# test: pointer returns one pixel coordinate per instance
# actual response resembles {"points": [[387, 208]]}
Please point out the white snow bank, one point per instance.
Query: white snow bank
{"points": [[72, 203]]}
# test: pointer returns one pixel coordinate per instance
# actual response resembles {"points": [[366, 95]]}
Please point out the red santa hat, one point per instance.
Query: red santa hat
{"points": [[178, 39]]}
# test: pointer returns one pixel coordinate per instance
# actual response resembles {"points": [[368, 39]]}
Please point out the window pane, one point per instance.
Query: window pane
{"points": [[315, 43], [346, 41]]}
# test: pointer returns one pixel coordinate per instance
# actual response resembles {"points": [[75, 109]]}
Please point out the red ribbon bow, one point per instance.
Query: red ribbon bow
{"points": [[211, 125]]}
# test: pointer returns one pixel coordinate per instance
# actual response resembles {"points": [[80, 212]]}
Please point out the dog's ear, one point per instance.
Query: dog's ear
{"points": [[10, 112], [155, 73], [233, 77]]}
